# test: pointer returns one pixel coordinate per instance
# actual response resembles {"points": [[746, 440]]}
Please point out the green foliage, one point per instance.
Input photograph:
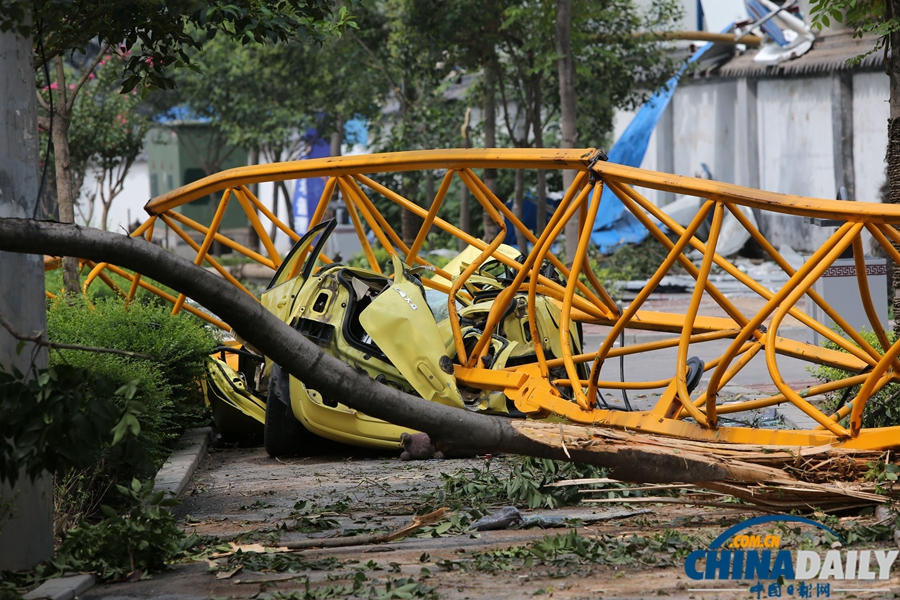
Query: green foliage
{"points": [[167, 386], [145, 538], [566, 553], [864, 17], [882, 408], [389, 589], [519, 481], [63, 418], [106, 134], [154, 38]]}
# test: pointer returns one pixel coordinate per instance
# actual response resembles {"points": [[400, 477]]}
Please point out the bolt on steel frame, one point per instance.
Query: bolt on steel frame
{"points": [[677, 412]]}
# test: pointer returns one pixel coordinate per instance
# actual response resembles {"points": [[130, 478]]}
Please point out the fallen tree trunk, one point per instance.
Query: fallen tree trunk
{"points": [[631, 458]]}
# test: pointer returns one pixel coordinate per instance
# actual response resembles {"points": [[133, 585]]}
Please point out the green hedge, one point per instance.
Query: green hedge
{"points": [[167, 386]]}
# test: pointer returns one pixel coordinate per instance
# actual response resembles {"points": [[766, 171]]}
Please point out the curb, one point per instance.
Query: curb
{"points": [[177, 471], [66, 587]]}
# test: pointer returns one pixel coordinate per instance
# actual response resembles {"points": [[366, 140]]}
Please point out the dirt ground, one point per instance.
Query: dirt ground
{"points": [[245, 496]]}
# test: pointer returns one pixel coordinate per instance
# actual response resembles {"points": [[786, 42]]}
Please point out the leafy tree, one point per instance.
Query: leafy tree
{"points": [[277, 100], [880, 18], [107, 134], [151, 38], [608, 68]]}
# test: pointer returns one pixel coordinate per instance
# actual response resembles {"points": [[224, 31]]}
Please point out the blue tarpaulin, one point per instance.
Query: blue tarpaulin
{"points": [[614, 225]]}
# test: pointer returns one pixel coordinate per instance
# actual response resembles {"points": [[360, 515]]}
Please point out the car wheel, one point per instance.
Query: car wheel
{"points": [[284, 435]]}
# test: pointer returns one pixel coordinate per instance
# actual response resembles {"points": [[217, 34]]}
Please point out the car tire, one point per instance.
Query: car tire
{"points": [[283, 434]]}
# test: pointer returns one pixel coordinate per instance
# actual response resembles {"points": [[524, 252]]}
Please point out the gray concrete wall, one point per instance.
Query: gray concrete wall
{"points": [[804, 136], [27, 537]]}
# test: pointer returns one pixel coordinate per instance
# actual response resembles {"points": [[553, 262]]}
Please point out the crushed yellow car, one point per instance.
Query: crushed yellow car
{"points": [[389, 326]]}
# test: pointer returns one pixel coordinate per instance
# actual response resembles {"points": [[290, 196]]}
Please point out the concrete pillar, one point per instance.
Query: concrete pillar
{"points": [[26, 537]]}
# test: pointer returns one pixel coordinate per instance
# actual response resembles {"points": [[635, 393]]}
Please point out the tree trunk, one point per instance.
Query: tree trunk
{"points": [[464, 222], [65, 192], [457, 429], [409, 223], [429, 198], [892, 66], [337, 142], [490, 139], [568, 119], [289, 204], [518, 200], [538, 129], [252, 236]]}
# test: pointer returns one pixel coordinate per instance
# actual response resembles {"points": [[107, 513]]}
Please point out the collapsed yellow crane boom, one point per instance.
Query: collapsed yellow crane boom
{"points": [[679, 412]]}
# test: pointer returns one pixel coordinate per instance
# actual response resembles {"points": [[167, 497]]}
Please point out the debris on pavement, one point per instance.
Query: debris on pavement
{"points": [[375, 538]]}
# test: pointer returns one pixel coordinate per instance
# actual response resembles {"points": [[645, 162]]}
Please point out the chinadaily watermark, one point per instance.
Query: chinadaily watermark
{"points": [[744, 554]]}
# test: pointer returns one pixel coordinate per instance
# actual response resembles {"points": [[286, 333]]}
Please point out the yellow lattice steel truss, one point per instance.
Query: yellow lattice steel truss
{"points": [[678, 412]]}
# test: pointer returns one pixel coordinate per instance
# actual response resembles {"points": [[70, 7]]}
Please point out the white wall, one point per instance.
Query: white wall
{"points": [[703, 128], [870, 115]]}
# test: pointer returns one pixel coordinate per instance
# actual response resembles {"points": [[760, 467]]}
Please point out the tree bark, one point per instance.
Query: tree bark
{"points": [[892, 66], [568, 118], [252, 236], [518, 201], [490, 138], [65, 194], [337, 142], [464, 222], [459, 429], [537, 124]]}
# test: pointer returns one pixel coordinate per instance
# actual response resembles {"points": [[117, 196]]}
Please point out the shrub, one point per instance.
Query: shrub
{"points": [[882, 408], [167, 386]]}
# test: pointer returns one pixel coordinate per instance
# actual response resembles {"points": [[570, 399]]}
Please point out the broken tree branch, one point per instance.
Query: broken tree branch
{"points": [[375, 538], [38, 339]]}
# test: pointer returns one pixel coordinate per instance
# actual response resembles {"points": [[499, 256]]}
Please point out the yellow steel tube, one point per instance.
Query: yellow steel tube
{"points": [[350, 202], [862, 280], [626, 317], [581, 303], [607, 303], [753, 285], [565, 339], [747, 352], [207, 242], [367, 207], [269, 214], [506, 296], [257, 225], [166, 296], [633, 201], [137, 276], [473, 266], [869, 387], [429, 218], [212, 261], [693, 309], [539, 252], [795, 294], [98, 268], [753, 325], [324, 201], [227, 242], [814, 296], [378, 224]]}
